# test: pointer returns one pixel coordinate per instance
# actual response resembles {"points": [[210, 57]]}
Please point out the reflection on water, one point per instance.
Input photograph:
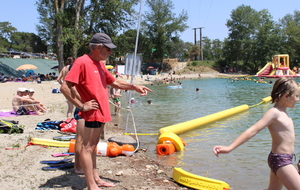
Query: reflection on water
{"points": [[243, 168]]}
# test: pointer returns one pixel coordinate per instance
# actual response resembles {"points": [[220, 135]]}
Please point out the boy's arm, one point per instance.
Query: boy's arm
{"points": [[265, 121]]}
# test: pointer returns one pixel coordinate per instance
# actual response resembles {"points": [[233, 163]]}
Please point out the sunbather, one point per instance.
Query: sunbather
{"points": [[39, 105], [22, 105]]}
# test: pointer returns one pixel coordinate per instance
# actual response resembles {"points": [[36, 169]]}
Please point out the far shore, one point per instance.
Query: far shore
{"points": [[142, 80]]}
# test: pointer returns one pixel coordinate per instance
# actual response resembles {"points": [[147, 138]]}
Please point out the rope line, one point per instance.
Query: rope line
{"points": [[133, 122], [256, 104]]}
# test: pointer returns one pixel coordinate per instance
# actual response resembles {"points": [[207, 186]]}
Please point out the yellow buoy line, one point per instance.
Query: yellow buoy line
{"points": [[169, 134]]}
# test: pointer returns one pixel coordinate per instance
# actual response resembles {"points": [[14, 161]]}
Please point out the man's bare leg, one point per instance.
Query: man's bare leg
{"points": [[90, 141], [98, 180], [78, 145]]}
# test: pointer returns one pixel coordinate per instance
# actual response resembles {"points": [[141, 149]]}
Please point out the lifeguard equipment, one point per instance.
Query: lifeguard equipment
{"points": [[267, 99], [48, 142], [198, 182], [108, 149], [192, 124], [173, 138], [166, 148]]}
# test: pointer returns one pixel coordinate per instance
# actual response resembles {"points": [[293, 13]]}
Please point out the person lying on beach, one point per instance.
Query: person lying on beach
{"points": [[285, 94], [22, 105]]}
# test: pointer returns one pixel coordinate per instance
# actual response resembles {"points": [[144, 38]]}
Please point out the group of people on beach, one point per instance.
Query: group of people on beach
{"points": [[30, 78], [85, 86], [23, 103]]}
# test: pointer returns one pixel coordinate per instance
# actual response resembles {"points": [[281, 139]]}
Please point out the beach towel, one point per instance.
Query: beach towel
{"points": [[10, 126], [12, 113], [48, 125]]}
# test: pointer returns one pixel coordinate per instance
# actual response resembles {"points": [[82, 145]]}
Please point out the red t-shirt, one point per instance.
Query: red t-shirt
{"points": [[90, 78]]}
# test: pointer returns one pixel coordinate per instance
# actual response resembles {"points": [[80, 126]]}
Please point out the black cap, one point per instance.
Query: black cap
{"points": [[101, 38]]}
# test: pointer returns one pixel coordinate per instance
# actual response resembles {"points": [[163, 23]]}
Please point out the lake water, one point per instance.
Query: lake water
{"points": [[244, 168]]}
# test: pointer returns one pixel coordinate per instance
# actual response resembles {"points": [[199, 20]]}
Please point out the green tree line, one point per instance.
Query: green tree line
{"points": [[66, 27]]}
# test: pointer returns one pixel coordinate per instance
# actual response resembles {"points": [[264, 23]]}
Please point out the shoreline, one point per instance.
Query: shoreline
{"points": [[20, 167], [156, 78]]}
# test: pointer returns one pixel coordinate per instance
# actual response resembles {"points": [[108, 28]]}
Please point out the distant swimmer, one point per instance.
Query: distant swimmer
{"points": [[197, 89], [149, 101]]}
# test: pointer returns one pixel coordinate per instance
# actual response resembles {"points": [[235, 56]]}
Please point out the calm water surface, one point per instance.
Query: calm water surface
{"points": [[244, 168]]}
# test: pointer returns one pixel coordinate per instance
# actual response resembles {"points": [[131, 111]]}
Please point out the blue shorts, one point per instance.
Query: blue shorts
{"points": [[76, 116]]}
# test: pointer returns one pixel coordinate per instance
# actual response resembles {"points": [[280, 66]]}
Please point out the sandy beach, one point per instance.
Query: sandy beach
{"points": [[20, 166]]}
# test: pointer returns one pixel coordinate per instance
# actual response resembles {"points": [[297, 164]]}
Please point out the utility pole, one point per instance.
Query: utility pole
{"points": [[201, 49], [195, 40]]}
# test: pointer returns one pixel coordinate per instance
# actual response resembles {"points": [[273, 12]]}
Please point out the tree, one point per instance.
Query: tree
{"points": [[161, 26], [291, 33], [126, 43], [194, 51], [6, 30], [62, 29], [27, 42], [266, 41], [52, 17], [253, 38], [176, 49], [241, 28]]}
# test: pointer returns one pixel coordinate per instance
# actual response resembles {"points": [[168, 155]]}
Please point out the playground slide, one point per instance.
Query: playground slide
{"points": [[264, 68], [272, 72]]}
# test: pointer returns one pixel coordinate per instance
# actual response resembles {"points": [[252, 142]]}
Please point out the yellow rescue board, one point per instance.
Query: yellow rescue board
{"points": [[198, 182], [48, 142]]}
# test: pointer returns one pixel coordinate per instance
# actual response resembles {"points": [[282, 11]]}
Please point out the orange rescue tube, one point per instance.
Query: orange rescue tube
{"points": [[72, 145], [108, 148], [165, 149]]}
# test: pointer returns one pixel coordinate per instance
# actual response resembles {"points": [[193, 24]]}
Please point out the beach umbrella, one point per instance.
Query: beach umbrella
{"points": [[109, 66], [26, 67]]}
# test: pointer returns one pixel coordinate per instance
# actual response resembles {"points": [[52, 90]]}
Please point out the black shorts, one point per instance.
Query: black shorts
{"points": [[93, 124], [22, 111]]}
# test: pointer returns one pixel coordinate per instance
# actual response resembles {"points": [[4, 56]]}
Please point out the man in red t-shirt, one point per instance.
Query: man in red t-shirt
{"points": [[85, 86]]}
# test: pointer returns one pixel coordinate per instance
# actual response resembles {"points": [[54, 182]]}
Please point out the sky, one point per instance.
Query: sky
{"points": [[212, 15]]}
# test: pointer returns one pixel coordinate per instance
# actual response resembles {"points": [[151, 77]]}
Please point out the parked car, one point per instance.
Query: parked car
{"points": [[25, 55], [4, 55]]}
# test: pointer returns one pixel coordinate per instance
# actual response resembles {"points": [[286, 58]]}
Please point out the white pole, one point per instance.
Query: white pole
{"points": [[134, 63]]}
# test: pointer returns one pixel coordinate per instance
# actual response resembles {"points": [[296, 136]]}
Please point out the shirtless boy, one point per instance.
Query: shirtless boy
{"points": [[285, 94], [21, 105]]}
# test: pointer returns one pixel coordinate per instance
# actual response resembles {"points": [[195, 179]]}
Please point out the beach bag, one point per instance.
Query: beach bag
{"points": [[69, 125], [48, 125], [55, 90], [10, 126]]}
